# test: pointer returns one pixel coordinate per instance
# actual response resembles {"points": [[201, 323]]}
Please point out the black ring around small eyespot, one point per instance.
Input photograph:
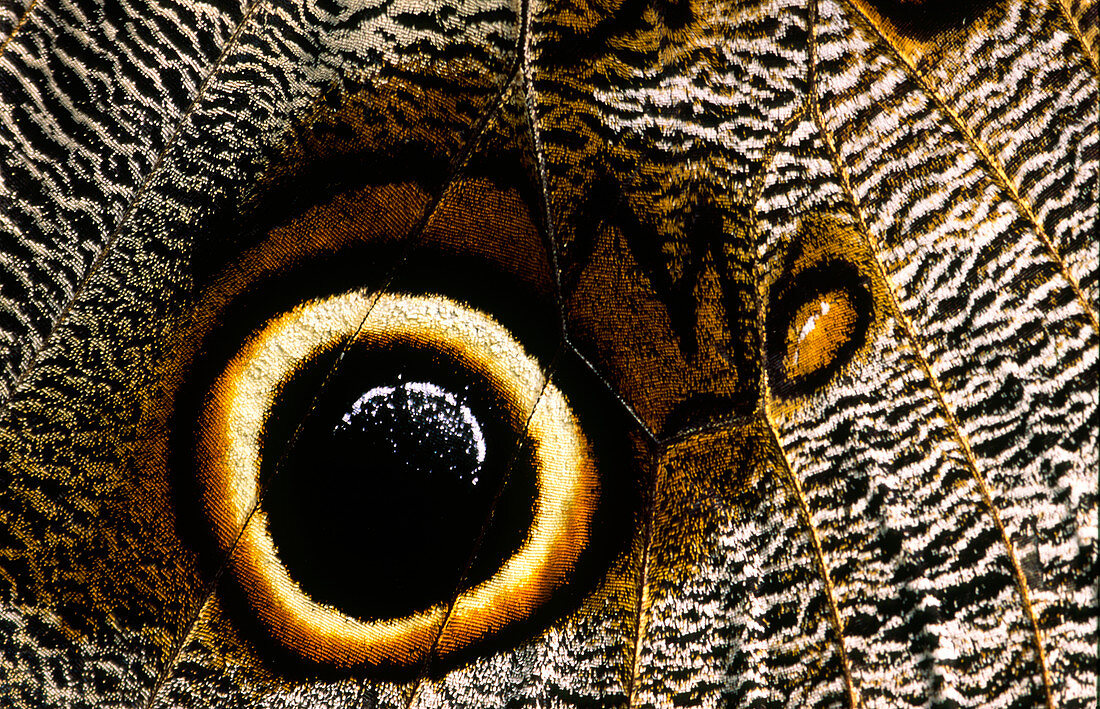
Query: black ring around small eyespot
{"points": [[924, 19], [791, 293]]}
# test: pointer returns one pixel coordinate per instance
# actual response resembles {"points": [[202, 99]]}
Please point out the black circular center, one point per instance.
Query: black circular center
{"points": [[378, 505]]}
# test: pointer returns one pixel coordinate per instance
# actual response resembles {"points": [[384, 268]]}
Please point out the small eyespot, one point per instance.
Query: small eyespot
{"points": [[437, 490], [817, 320]]}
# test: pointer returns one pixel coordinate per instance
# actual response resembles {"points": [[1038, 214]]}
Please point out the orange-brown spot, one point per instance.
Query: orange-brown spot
{"points": [[818, 330]]}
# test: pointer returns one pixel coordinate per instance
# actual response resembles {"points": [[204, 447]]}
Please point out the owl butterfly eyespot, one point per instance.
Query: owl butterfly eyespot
{"points": [[355, 540]]}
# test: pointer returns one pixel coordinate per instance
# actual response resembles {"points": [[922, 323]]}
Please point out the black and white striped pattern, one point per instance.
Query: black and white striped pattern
{"points": [[93, 93], [1019, 341]]}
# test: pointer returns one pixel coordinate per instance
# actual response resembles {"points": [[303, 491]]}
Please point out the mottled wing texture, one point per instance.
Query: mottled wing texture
{"points": [[912, 523]]}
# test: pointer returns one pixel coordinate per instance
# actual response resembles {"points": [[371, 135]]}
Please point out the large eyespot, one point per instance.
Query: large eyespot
{"points": [[350, 546], [816, 322]]}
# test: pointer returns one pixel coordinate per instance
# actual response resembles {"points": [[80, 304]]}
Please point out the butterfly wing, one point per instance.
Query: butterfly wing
{"points": [[914, 523]]}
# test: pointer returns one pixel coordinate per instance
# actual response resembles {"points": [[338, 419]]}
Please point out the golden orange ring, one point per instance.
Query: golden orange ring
{"points": [[229, 456]]}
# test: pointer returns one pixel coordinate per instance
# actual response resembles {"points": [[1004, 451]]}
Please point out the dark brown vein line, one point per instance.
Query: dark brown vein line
{"points": [[113, 238], [521, 71], [207, 594], [1075, 30], [460, 161], [514, 83], [993, 165], [530, 98], [527, 69], [806, 514], [165, 673], [544, 185], [40, 347], [312, 111], [18, 26], [949, 414]]}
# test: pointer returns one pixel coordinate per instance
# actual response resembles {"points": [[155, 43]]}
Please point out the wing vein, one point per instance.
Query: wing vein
{"points": [[819, 560], [993, 166], [791, 479], [528, 72], [18, 26], [426, 666], [941, 401], [1075, 30], [131, 207]]}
